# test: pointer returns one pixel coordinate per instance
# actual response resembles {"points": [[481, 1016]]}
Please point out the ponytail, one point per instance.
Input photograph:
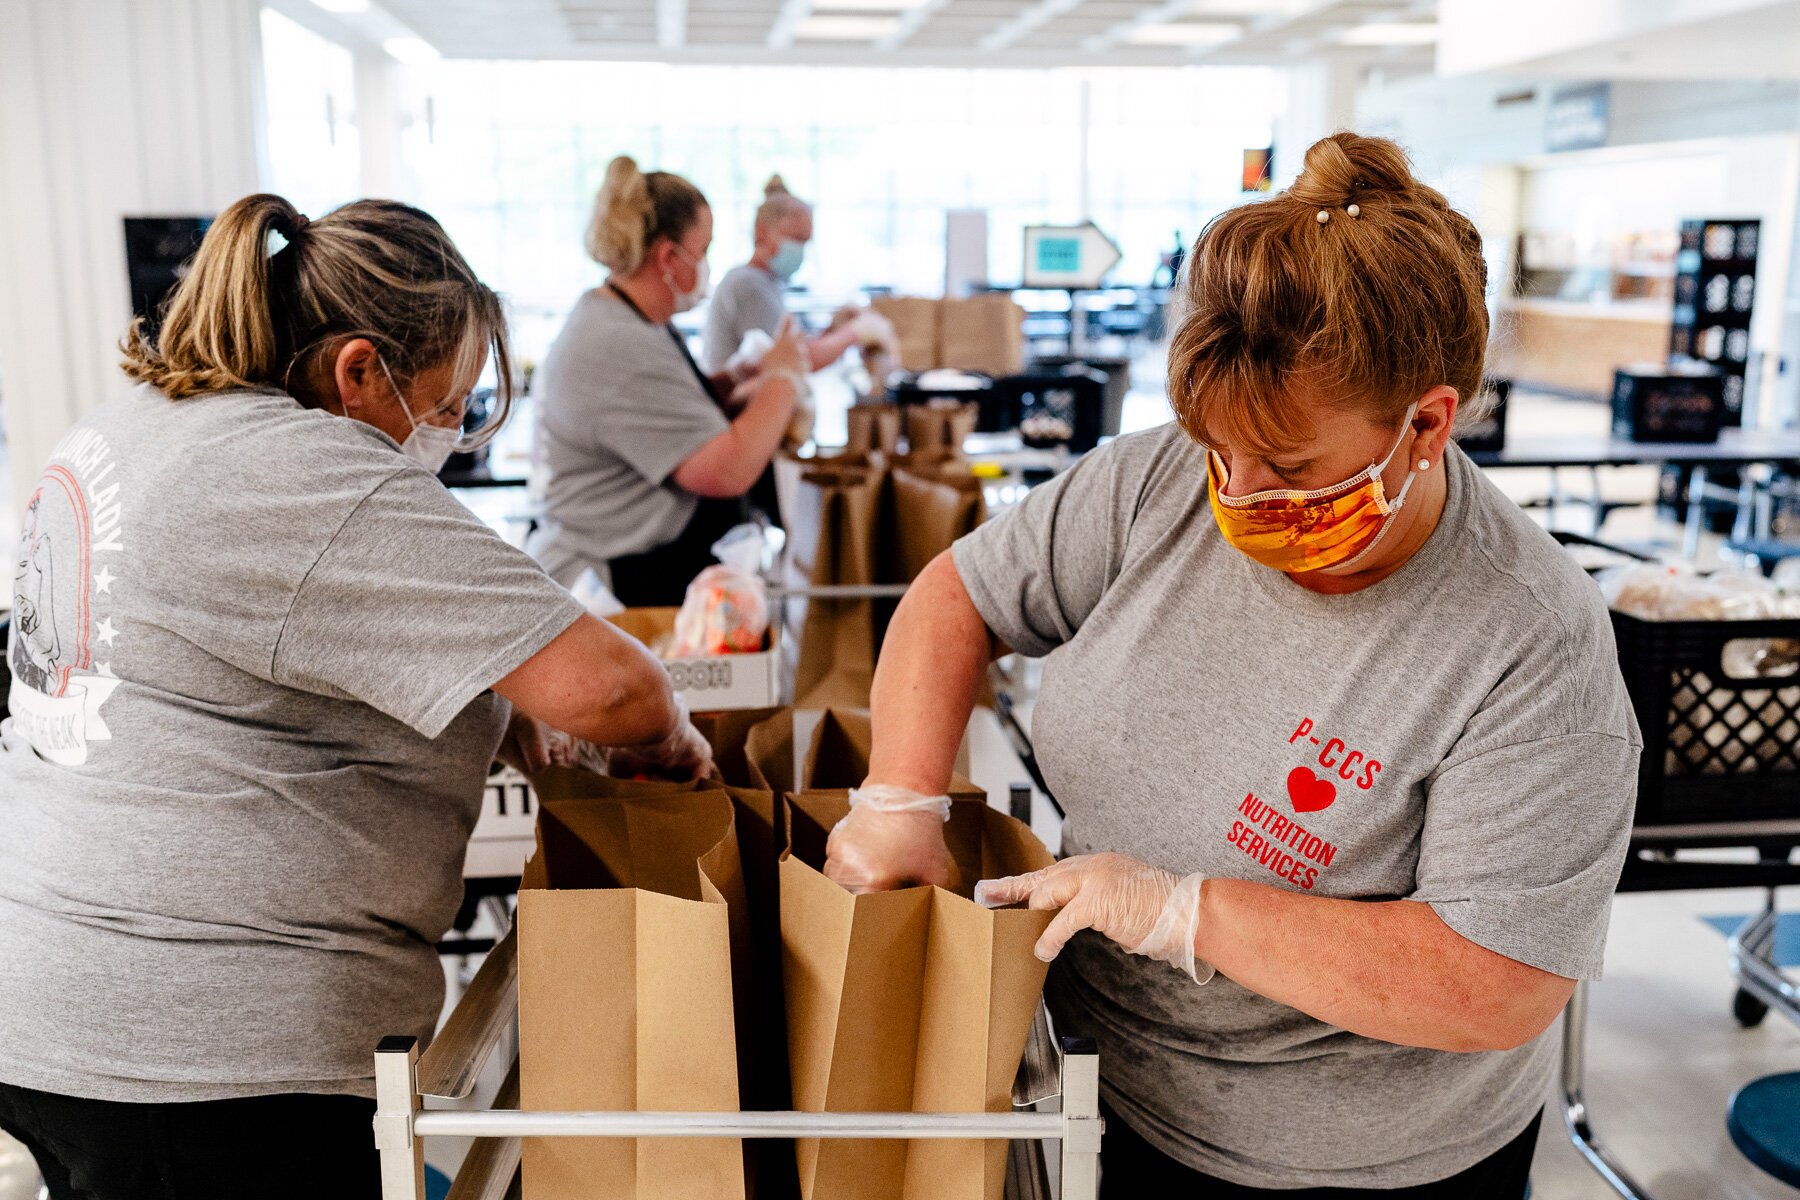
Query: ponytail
{"points": [[633, 209], [219, 330], [778, 204], [374, 269]]}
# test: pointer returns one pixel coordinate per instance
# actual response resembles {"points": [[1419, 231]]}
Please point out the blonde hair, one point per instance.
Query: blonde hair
{"points": [[374, 269], [1368, 311], [633, 209], [778, 204]]}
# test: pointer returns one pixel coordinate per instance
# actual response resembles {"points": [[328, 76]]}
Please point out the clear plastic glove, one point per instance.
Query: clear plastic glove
{"points": [[685, 754], [529, 745], [789, 351], [893, 838], [1145, 909]]}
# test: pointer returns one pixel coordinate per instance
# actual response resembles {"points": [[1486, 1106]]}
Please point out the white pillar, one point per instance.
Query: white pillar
{"points": [[379, 122], [108, 108], [1778, 390], [1321, 99]]}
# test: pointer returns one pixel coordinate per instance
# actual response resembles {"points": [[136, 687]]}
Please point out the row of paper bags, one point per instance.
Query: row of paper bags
{"points": [[870, 518], [680, 950]]}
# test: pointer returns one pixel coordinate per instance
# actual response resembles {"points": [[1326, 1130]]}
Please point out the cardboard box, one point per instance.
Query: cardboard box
{"points": [[918, 1000], [715, 684], [633, 933], [917, 322], [984, 333]]}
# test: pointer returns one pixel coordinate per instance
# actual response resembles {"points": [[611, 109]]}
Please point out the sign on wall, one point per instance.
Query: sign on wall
{"points": [[1578, 117]]}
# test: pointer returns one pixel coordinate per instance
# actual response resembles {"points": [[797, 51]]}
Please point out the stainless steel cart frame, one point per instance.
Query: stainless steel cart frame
{"points": [[1651, 866], [484, 1020]]}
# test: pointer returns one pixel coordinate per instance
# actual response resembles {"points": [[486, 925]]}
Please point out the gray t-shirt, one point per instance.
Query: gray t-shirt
{"points": [[250, 733], [620, 409], [1457, 734], [746, 298]]}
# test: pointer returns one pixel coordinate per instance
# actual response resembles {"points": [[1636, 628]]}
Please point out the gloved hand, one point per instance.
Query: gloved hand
{"points": [[789, 351], [893, 838], [529, 744], [1145, 909], [685, 754]]}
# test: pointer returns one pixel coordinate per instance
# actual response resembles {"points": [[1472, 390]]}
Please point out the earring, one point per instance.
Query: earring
{"points": [[1424, 464]]}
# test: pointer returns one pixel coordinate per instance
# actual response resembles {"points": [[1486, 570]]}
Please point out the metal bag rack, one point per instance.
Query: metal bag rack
{"points": [[483, 1021]]}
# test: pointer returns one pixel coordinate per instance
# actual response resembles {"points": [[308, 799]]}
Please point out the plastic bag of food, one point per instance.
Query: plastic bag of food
{"points": [[727, 606], [1674, 592]]}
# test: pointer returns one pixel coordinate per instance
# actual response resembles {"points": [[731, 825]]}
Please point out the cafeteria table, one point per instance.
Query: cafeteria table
{"points": [[1735, 449]]}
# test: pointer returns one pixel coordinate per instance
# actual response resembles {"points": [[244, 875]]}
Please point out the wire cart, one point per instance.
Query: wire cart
{"points": [[483, 1021], [1720, 769]]}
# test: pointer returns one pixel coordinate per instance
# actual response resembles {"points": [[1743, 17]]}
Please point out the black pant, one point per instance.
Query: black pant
{"points": [[294, 1147], [658, 578], [1132, 1169]]}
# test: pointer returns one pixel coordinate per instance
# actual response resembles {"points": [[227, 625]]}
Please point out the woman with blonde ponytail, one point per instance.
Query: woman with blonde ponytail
{"points": [[261, 665], [647, 458], [749, 297]]}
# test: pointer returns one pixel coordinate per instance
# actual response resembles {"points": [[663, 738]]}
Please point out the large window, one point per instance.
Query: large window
{"points": [[310, 90], [509, 155]]}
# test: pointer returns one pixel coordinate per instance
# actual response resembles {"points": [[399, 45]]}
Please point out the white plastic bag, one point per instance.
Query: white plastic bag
{"points": [[595, 596], [747, 360], [726, 610]]}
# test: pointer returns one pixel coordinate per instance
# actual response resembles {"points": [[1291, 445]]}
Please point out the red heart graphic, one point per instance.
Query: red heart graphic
{"points": [[1308, 792]]}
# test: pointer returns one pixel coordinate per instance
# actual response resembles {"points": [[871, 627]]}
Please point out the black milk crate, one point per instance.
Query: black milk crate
{"points": [[1716, 748]]}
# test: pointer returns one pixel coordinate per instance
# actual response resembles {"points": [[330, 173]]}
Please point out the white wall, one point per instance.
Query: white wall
{"points": [[108, 108], [1482, 35]]}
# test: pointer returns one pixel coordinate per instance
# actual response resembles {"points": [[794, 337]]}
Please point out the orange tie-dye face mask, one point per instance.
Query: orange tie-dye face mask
{"points": [[1295, 532]]}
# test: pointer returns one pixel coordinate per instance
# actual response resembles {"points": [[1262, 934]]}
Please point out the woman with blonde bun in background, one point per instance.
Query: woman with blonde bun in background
{"points": [[749, 297], [648, 459]]}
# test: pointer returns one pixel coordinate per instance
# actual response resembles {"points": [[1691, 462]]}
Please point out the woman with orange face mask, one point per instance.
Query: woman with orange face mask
{"points": [[1348, 762]]}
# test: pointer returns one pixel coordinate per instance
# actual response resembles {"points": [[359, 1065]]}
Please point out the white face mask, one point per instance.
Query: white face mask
{"points": [[428, 445], [688, 301]]}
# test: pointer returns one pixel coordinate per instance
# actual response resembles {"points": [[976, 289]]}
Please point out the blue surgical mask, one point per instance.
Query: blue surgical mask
{"points": [[787, 259]]}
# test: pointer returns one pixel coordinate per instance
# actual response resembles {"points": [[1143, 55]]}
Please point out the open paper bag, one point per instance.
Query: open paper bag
{"points": [[932, 426], [633, 920], [873, 427], [911, 1001], [832, 508]]}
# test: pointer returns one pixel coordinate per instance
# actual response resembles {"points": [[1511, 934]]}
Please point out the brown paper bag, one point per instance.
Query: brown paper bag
{"points": [[873, 427], [832, 508], [633, 921], [729, 733], [910, 1001], [929, 512], [918, 323], [933, 428], [982, 333], [837, 757]]}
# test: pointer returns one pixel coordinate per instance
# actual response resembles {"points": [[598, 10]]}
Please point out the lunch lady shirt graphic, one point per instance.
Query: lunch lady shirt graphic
{"points": [[63, 637]]}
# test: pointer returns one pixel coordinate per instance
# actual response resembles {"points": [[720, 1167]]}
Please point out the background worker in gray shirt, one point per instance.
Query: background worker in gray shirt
{"points": [[645, 458], [749, 296], [1330, 716], [269, 663]]}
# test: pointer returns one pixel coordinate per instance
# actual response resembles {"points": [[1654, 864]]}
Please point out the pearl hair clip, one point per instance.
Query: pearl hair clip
{"points": [[1350, 210]]}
